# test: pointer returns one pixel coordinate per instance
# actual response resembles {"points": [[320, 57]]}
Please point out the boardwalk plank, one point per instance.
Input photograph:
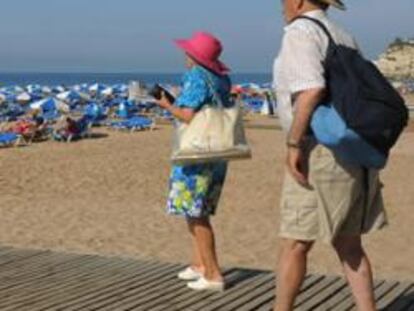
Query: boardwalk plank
{"points": [[348, 303], [51, 276], [314, 290], [109, 274], [15, 258], [124, 289], [36, 271], [393, 295], [168, 296], [381, 291], [140, 291], [236, 292], [154, 293], [319, 299], [101, 283], [6, 252], [187, 297], [266, 301], [403, 302], [332, 302], [36, 280], [50, 286], [59, 279], [96, 295]]}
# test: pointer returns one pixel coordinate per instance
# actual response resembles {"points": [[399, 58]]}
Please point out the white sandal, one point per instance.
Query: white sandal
{"points": [[203, 284], [189, 274]]}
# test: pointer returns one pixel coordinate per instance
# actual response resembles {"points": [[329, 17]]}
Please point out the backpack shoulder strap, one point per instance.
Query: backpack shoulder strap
{"points": [[320, 24]]}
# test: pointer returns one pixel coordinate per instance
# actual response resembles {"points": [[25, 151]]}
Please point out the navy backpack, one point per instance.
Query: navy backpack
{"points": [[363, 115]]}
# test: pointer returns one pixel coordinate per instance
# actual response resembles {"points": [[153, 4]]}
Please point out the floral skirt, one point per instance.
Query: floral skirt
{"points": [[195, 189]]}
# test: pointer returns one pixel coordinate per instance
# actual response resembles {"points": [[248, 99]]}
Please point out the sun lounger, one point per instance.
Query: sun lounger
{"points": [[136, 123], [51, 116], [95, 114], [9, 139], [83, 131]]}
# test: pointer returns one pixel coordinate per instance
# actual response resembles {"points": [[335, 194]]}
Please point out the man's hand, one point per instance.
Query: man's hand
{"points": [[298, 164], [298, 160]]}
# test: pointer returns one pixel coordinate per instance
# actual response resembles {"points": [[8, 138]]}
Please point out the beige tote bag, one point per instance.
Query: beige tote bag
{"points": [[215, 133]]}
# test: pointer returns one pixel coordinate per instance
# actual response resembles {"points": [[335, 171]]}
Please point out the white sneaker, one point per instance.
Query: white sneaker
{"points": [[189, 274], [203, 284]]}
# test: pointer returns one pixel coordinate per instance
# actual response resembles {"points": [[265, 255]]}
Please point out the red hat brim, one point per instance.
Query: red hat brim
{"points": [[214, 65]]}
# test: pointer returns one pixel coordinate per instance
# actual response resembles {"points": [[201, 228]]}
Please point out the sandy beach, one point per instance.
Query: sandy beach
{"points": [[107, 195]]}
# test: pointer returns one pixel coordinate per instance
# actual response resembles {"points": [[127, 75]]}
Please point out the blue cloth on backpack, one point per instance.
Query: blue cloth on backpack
{"points": [[331, 131]]}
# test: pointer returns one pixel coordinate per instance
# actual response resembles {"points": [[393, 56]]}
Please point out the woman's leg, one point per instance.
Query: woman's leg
{"points": [[205, 241], [357, 269], [196, 259]]}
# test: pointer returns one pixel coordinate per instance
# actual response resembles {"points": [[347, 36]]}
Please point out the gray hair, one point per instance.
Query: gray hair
{"points": [[322, 5]]}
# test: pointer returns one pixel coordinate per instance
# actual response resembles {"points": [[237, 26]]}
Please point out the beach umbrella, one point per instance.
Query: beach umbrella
{"points": [[120, 88], [7, 96], [108, 91], [113, 103], [33, 88], [268, 85], [250, 86], [10, 97], [59, 89], [97, 88], [82, 88], [125, 109], [13, 111], [94, 111], [50, 104], [15, 89], [46, 90], [68, 96], [3, 97], [24, 97], [36, 96], [72, 96]]}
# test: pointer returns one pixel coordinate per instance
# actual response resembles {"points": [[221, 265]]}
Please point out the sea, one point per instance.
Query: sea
{"points": [[69, 79]]}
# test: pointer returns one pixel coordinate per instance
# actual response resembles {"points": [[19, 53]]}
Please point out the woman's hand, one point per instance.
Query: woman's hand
{"points": [[163, 102], [182, 114]]}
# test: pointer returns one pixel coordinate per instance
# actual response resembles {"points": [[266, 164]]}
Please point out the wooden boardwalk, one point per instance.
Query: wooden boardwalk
{"points": [[44, 280]]}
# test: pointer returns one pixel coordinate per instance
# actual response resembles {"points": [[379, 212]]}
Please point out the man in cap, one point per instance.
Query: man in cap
{"points": [[322, 197]]}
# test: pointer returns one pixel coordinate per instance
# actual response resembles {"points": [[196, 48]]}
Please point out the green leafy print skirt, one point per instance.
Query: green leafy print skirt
{"points": [[195, 189]]}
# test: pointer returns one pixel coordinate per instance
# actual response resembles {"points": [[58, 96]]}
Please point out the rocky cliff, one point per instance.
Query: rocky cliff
{"points": [[398, 60]]}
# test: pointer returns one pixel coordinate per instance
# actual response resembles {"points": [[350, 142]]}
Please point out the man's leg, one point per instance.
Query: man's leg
{"points": [[291, 272], [357, 269]]}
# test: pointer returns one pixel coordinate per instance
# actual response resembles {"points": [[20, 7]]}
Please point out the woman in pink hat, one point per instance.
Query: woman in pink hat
{"points": [[195, 189]]}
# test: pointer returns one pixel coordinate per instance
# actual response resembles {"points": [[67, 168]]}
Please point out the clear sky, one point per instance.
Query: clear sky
{"points": [[135, 35]]}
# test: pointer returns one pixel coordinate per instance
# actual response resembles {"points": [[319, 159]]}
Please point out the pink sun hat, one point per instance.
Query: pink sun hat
{"points": [[206, 50]]}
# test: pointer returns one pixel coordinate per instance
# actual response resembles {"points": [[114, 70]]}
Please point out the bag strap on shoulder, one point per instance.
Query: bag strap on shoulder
{"points": [[216, 97], [320, 24]]}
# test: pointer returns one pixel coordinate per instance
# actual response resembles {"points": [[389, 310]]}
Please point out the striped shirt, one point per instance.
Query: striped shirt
{"points": [[298, 67]]}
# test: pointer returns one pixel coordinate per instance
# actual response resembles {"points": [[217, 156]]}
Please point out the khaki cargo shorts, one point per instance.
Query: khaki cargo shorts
{"points": [[336, 204]]}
